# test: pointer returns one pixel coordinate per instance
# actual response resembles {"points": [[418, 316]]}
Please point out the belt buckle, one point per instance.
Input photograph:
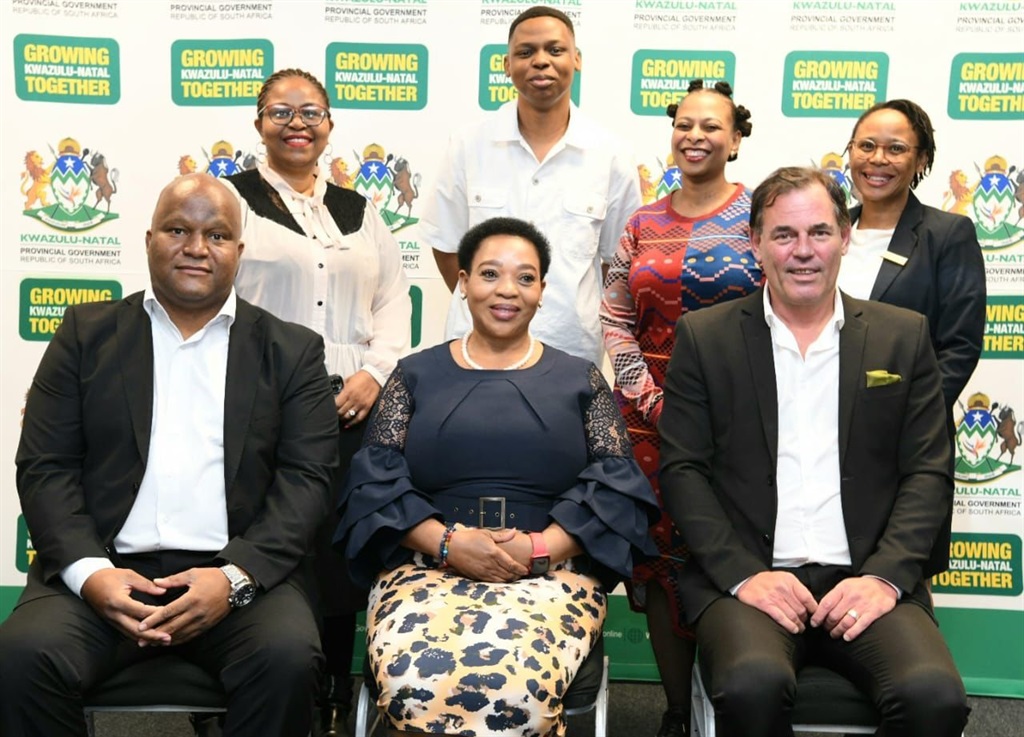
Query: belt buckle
{"points": [[500, 514]]}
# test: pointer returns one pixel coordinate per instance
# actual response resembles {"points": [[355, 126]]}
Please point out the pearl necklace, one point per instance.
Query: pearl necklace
{"points": [[474, 365]]}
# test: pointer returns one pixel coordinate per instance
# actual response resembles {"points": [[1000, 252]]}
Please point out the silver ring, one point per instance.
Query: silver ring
{"points": [[852, 614], [351, 413]]}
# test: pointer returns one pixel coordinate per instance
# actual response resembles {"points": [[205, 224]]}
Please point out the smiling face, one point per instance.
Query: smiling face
{"points": [[881, 178], [541, 62], [294, 148], [503, 286], [193, 248], [703, 135], [800, 245]]}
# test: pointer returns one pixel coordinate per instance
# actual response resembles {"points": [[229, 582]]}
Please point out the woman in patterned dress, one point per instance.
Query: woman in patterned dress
{"points": [[688, 250], [493, 506]]}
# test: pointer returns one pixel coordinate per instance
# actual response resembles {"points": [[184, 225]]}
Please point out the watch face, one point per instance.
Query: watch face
{"points": [[242, 595], [540, 564]]}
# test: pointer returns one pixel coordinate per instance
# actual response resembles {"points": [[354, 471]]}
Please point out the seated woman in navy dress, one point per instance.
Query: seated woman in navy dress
{"points": [[494, 504]]}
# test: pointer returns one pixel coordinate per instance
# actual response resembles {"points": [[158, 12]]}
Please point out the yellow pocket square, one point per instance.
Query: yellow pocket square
{"points": [[880, 377]]}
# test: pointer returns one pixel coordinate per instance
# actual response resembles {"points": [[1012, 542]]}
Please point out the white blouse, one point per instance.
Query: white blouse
{"points": [[859, 268], [351, 289]]}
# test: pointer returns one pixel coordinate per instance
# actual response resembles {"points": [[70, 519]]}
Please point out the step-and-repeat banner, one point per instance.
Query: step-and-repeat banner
{"points": [[106, 100]]}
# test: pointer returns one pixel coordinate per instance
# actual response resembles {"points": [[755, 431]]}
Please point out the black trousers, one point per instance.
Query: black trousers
{"points": [[56, 648], [900, 661]]}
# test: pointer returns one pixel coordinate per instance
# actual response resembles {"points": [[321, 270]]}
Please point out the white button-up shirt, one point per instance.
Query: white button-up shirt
{"points": [[809, 525], [182, 502], [579, 197]]}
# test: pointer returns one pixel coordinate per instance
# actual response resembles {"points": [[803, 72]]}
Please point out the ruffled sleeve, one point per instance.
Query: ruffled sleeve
{"points": [[379, 503], [612, 505]]}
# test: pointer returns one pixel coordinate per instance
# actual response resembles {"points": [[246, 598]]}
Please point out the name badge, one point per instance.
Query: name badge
{"points": [[895, 258]]}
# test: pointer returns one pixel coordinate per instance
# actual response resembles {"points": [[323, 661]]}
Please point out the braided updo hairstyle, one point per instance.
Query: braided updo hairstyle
{"points": [[740, 115]]}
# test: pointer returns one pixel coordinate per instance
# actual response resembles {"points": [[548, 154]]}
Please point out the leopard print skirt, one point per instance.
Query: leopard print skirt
{"points": [[460, 657]]}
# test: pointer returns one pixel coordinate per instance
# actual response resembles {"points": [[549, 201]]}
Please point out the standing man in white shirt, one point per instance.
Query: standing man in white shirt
{"points": [[539, 159], [175, 460], [806, 463]]}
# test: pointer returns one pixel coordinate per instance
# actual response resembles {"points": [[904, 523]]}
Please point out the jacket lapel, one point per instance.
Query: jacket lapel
{"points": [[757, 339], [903, 243], [135, 355], [851, 369], [245, 354]]}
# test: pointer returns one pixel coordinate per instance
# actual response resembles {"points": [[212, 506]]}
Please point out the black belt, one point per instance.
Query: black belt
{"points": [[494, 512]]}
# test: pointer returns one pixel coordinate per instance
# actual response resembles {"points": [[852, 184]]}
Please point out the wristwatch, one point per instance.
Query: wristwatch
{"points": [[540, 561], [243, 588]]}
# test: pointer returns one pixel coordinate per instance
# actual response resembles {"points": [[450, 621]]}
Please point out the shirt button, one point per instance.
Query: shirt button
{"points": [[319, 303], [320, 266], [767, 539], [477, 198], [536, 181], [590, 210]]}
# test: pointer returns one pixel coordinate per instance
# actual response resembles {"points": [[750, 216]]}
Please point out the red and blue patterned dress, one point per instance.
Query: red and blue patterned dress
{"points": [[667, 265]]}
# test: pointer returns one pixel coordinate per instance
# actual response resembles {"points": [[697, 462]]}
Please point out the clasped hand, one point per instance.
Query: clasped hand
{"points": [[203, 605], [845, 611], [492, 556]]}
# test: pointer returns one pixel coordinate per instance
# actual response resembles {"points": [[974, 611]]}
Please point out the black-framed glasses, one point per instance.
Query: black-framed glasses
{"points": [[893, 149], [310, 115]]}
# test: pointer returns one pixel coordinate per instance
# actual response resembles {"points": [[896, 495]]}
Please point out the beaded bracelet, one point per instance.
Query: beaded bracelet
{"points": [[446, 539]]}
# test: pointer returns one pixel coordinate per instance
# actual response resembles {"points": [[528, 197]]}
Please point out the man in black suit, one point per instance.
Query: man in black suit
{"points": [[806, 463], [174, 463]]}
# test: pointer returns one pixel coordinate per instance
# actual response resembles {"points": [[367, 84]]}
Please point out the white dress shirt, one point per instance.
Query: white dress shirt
{"points": [[809, 525], [579, 197], [181, 503], [859, 268], [351, 289]]}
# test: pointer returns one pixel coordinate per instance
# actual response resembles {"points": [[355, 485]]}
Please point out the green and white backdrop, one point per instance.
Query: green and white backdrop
{"points": [[105, 100]]}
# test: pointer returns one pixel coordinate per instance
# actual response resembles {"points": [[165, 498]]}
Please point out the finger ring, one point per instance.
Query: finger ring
{"points": [[350, 413], [852, 614]]}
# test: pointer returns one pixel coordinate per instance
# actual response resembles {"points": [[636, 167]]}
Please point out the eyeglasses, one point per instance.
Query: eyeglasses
{"points": [[893, 149], [310, 115]]}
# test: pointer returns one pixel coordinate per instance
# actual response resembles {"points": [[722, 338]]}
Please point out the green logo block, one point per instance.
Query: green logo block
{"points": [[43, 302], [24, 553], [981, 564], [207, 72], [833, 84], [660, 77], [1004, 327], [495, 86], [986, 87], [71, 69], [377, 76]]}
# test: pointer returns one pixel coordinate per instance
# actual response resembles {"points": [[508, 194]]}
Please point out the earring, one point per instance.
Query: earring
{"points": [[540, 303], [327, 153], [261, 152], [462, 295]]}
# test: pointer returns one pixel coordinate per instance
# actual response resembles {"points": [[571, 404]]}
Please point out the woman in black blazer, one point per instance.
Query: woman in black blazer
{"points": [[912, 255]]}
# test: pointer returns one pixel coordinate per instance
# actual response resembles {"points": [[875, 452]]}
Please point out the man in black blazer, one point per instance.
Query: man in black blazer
{"points": [[174, 463], [806, 464]]}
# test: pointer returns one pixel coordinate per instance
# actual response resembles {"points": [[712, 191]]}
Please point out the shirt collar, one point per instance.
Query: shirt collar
{"points": [[227, 310], [838, 315], [286, 191], [576, 135]]}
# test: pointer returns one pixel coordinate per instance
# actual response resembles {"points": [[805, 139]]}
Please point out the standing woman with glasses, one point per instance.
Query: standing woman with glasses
{"points": [[914, 256], [321, 256]]}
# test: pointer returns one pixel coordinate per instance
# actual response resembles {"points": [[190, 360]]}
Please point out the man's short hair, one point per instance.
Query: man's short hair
{"points": [[541, 11], [792, 178], [476, 235]]}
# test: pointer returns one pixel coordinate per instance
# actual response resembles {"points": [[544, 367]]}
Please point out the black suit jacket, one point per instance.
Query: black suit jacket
{"points": [[943, 279], [85, 440], [719, 429]]}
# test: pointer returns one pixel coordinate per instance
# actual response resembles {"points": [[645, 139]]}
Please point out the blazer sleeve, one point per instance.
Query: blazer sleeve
{"points": [[960, 323], [50, 458], [688, 466], [305, 462], [925, 487]]}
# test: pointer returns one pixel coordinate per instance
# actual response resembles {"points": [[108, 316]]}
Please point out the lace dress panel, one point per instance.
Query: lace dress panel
{"points": [[605, 428], [390, 421]]}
